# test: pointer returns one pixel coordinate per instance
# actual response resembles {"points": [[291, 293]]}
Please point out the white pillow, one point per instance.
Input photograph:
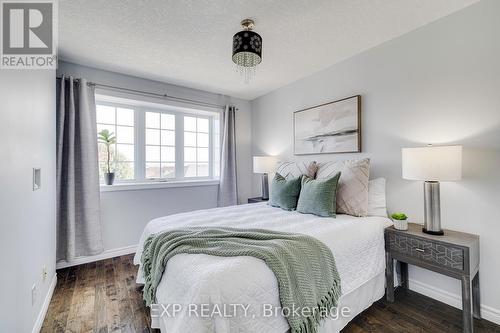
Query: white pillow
{"points": [[377, 205]]}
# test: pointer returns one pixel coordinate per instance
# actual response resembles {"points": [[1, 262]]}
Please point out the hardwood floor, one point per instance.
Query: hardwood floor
{"points": [[102, 297], [97, 297]]}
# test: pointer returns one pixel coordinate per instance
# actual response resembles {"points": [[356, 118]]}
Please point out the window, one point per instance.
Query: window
{"points": [[159, 144], [120, 122], [196, 147]]}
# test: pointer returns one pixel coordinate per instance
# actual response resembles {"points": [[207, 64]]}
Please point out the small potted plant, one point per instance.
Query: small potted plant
{"points": [[400, 221], [107, 138]]}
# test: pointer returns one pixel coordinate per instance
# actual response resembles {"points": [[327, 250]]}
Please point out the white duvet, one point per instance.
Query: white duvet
{"points": [[356, 243]]}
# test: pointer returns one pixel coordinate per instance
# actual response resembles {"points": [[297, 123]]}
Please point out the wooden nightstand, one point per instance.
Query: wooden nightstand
{"points": [[257, 199], [456, 254]]}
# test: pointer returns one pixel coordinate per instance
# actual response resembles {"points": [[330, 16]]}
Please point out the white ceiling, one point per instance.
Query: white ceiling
{"points": [[189, 42]]}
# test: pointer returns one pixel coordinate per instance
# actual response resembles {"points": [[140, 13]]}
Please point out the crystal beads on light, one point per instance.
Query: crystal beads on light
{"points": [[246, 63]]}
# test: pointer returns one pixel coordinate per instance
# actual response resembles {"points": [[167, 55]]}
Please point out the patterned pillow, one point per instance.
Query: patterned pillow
{"points": [[352, 192], [297, 169]]}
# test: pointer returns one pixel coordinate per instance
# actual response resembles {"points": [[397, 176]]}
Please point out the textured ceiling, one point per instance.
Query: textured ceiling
{"points": [[189, 42]]}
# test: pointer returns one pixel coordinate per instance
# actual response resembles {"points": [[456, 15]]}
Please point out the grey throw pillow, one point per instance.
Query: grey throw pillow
{"points": [[284, 192], [318, 196]]}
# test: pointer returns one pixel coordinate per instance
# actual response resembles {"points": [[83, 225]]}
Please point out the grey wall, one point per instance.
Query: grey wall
{"points": [[27, 217], [439, 84], [125, 213]]}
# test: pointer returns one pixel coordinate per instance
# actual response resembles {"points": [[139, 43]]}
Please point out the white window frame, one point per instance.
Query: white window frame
{"points": [[140, 147]]}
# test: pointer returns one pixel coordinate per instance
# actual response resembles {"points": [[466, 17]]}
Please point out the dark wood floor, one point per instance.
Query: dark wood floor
{"points": [[102, 297]]}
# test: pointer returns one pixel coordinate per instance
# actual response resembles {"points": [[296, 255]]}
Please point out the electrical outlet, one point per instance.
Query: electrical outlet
{"points": [[44, 273], [33, 294]]}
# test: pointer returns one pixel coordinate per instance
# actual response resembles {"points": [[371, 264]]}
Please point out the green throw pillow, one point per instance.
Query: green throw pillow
{"points": [[284, 192], [318, 196]]}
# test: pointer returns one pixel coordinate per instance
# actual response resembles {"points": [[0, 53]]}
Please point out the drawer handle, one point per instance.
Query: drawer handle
{"points": [[419, 249]]}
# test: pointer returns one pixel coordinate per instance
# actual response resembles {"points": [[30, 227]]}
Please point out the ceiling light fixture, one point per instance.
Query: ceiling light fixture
{"points": [[247, 50]]}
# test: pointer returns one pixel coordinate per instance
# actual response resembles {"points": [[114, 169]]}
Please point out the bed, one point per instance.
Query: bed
{"points": [[356, 243]]}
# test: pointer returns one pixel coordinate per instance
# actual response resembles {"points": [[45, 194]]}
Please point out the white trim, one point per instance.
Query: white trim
{"points": [[45, 306], [158, 185], [105, 255], [487, 312]]}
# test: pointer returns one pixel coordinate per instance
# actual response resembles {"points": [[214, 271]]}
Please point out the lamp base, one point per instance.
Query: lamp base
{"points": [[435, 233], [265, 187], [432, 209]]}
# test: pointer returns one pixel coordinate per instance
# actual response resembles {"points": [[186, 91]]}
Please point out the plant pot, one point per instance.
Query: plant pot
{"points": [[109, 178], [400, 224]]}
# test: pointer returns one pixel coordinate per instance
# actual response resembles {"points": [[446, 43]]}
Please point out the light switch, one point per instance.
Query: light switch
{"points": [[37, 179]]}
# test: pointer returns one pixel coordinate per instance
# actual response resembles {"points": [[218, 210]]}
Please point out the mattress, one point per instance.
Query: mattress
{"points": [[194, 281]]}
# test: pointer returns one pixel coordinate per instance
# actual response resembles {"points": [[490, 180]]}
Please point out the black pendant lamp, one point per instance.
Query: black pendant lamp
{"points": [[247, 50]]}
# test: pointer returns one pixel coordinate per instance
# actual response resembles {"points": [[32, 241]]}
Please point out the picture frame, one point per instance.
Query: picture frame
{"points": [[329, 128]]}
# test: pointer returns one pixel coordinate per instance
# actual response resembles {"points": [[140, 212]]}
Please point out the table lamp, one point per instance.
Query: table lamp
{"points": [[264, 165], [432, 164]]}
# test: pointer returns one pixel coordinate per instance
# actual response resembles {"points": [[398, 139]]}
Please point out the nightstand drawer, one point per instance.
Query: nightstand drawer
{"points": [[438, 253]]}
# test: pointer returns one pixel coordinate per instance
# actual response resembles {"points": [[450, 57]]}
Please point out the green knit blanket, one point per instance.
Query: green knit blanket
{"points": [[304, 267]]}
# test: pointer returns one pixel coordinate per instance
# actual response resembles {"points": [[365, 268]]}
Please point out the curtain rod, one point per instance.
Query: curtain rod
{"points": [[147, 93]]}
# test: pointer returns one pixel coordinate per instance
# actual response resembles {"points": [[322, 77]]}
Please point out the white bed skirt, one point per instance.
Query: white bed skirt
{"points": [[357, 301]]}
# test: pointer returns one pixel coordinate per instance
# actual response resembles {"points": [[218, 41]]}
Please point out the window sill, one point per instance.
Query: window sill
{"points": [[157, 185]]}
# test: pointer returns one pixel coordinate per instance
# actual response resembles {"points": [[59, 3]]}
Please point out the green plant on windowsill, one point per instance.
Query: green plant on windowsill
{"points": [[107, 138]]}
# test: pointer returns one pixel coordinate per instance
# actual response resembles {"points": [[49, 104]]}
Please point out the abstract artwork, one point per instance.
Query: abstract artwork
{"points": [[333, 127]]}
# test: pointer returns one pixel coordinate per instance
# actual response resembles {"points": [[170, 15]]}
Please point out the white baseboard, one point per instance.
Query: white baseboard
{"points": [[454, 300], [45, 306], [105, 255]]}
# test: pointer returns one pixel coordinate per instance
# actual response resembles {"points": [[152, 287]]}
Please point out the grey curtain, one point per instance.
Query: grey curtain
{"points": [[228, 190], [78, 219]]}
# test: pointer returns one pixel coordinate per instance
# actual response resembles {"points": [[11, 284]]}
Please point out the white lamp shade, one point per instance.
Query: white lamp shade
{"points": [[264, 164], [440, 163]]}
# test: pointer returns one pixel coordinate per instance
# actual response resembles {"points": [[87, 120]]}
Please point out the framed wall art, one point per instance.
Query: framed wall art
{"points": [[333, 127]]}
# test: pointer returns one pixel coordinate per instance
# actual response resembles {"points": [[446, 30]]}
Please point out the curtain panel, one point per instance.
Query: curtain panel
{"points": [[228, 189], [78, 202]]}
